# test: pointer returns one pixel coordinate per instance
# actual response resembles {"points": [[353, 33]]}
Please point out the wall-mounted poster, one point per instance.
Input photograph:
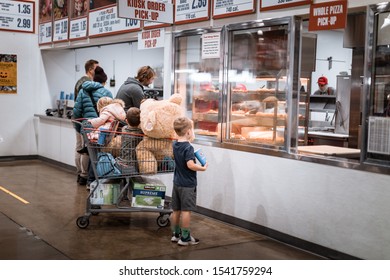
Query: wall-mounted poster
{"points": [[45, 10], [96, 4], [8, 74], [60, 9], [79, 8]]}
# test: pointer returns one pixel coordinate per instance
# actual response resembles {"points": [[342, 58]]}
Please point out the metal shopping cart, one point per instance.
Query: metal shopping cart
{"points": [[124, 165]]}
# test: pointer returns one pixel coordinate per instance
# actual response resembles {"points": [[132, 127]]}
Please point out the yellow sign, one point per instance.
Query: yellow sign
{"points": [[8, 74]]}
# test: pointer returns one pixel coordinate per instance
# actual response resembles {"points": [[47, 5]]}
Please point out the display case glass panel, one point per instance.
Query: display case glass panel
{"points": [[256, 80], [378, 119], [197, 79]]}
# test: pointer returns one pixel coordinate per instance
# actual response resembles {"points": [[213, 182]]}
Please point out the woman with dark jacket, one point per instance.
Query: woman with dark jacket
{"points": [[85, 105]]}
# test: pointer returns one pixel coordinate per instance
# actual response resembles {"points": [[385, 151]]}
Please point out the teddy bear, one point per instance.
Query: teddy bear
{"points": [[154, 152]]}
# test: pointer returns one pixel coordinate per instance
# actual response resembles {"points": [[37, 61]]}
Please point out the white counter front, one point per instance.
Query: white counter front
{"points": [[56, 139]]}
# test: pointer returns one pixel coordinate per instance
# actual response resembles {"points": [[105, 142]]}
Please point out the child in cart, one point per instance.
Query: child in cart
{"points": [[184, 182], [110, 110], [132, 135]]}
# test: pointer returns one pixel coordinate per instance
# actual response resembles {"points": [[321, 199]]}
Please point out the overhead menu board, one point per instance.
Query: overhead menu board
{"points": [[187, 11], [17, 16], [228, 8], [106, 21], [61, 20], [45, 33], [79, 10], [78, 28], [266, 5]]}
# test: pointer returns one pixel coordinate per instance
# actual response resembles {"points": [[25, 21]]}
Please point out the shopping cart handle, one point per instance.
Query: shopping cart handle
{"points": [[78, 121]]}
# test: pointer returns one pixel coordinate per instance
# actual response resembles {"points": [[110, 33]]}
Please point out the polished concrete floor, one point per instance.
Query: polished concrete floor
{"points": [[45, 227]]}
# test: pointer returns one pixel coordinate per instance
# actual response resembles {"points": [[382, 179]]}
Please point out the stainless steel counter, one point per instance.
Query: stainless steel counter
{"points": [[328, 138]]}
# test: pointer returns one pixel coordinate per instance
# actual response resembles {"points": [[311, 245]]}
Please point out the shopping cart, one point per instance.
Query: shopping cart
{"points": [[121, 162]]}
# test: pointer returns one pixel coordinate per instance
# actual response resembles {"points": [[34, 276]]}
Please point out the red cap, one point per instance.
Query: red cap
{"points": [[322, 81]]}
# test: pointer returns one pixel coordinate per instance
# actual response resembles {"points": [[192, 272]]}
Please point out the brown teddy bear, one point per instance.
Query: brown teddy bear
{"points": [[154, 152]]}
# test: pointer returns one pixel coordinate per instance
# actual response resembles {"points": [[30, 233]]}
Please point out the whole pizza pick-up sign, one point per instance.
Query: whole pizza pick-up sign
{"points": [[156, 11], [329, 15]]}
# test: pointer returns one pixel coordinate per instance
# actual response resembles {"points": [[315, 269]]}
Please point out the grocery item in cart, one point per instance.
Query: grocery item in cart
{"points": [[106, 192], [148, 192]]}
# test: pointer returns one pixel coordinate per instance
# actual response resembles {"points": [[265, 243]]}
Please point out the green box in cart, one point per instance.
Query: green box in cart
{"points": [[148, 192], [106, 192]]}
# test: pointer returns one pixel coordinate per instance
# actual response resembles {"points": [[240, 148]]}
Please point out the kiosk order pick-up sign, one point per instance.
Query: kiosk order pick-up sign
{"points": [[157, 11]]}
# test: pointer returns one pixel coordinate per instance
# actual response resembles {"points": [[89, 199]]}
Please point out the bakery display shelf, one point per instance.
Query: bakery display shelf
{"points": [[207, 95], [210, 117], [262, 119]]}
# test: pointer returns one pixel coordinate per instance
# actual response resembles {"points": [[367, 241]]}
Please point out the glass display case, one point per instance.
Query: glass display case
{"points": [[250, 93], [261, 106], [377, 110]]}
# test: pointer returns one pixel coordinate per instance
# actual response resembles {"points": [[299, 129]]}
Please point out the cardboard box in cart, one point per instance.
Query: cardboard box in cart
{"points": [[148, 193], [107, 192]]}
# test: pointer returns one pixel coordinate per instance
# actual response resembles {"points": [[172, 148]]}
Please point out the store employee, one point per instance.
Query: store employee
{"points": [[323, 88]]}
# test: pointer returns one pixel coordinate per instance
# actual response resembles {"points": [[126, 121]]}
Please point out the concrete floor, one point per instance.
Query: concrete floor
{"points": [[45, 228]]}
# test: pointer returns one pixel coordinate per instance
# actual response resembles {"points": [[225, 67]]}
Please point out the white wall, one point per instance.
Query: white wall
{"points": [[17, 129], [60, 65]]}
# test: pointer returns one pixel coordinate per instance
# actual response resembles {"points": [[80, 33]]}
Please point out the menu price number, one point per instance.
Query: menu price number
{"points": [[131, 22], [242, 270], [23, 23], [198, 4], [61, 27], [24, 9], [47, 31], [79, 26]]}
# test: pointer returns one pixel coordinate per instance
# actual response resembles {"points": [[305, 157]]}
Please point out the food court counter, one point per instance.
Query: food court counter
{"points": [[56, 139]]}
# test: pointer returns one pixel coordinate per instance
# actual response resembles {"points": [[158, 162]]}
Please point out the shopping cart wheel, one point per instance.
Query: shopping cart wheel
{"points": [[163, 220], [82, 222]]}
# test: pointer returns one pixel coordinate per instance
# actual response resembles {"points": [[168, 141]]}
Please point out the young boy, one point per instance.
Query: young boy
{"points": [[131, 137], [184, 182]]}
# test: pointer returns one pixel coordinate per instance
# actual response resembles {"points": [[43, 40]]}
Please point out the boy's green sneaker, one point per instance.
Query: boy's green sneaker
{"points": [[190, 240], [175, 237]]}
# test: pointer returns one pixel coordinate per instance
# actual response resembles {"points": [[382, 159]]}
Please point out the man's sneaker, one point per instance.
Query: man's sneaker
{"points": [[175, 237], [190, 240], [82, 181]]}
